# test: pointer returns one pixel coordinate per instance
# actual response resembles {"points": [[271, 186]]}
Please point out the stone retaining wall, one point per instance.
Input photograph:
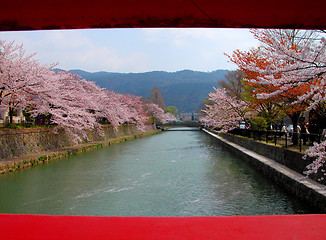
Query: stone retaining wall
{"points": [[308, 190], [20, 142], [286, 157]]}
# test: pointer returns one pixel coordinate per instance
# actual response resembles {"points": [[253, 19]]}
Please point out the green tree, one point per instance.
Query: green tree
{"points": [[172, 109]]}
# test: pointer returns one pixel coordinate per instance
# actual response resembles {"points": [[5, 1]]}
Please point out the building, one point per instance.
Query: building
{"points": [[17, 118], [190, 117]]}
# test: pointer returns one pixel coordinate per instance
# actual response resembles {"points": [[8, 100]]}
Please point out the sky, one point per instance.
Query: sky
{"points": [[135, 50]]}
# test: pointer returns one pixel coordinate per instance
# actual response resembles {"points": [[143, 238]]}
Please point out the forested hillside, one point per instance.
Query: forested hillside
{"points": [[184, 89]]}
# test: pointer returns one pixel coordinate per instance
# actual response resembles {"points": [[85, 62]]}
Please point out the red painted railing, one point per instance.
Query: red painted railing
{"points": [[130, 228]]}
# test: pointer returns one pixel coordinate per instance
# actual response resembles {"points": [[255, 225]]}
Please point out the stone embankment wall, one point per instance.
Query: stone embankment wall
{"points": [[260, 156], [20, 142], [286, 157]]}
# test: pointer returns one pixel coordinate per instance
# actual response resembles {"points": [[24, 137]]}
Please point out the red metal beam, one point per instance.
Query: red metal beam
{"points": [[72, 14], [166, 228]]}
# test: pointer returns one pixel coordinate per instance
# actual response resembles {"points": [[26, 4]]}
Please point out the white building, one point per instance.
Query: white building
{"points": [[17, 118], [190, 117]]}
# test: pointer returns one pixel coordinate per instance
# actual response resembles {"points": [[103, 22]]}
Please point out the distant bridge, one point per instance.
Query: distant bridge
{"points": [[185, 125]]}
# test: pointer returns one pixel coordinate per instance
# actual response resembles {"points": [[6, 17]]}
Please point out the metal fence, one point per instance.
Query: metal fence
{"points": [[295, 140]]}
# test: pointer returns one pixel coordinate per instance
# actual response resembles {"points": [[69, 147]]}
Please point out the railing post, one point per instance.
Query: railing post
{"points": [[275, 136], [286, 139], [259, 135], [266, 136]]}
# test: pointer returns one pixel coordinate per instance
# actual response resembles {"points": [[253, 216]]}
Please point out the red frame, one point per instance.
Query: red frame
{"points": [[166, 228], [74, 14], [68, 14]]}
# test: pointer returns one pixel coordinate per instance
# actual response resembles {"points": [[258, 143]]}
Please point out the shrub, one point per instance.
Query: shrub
{"points": [[258, 123], [43, 158]]}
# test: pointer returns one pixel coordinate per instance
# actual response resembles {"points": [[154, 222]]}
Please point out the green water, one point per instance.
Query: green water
{"points": [[174, 173]]}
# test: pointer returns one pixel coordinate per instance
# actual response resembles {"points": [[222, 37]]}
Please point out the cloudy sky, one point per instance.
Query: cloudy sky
{"points": [[135, 50]]}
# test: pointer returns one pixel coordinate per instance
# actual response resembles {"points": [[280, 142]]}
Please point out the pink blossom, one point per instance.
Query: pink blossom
{"points": [[69, 100], [159, 114], [224, 112]]}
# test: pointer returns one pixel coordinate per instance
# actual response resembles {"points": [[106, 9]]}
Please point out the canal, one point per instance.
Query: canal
{"points": [[173, 173]]}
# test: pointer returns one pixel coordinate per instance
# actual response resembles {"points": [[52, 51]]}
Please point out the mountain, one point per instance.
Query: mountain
{"points": [[184, 89]]}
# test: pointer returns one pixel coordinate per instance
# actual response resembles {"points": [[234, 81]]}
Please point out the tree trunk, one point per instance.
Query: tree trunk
{"points": [[295, 119], [11, 114]]}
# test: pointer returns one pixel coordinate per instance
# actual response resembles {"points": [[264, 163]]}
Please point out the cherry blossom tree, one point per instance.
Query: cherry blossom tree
{"points": [[69, 101], [21, 77], [265, 94], [132, 110], [159, 114], [224, 112], [296, 62], [296, 57], [170, 117], [77, 104], [318, 154]]}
